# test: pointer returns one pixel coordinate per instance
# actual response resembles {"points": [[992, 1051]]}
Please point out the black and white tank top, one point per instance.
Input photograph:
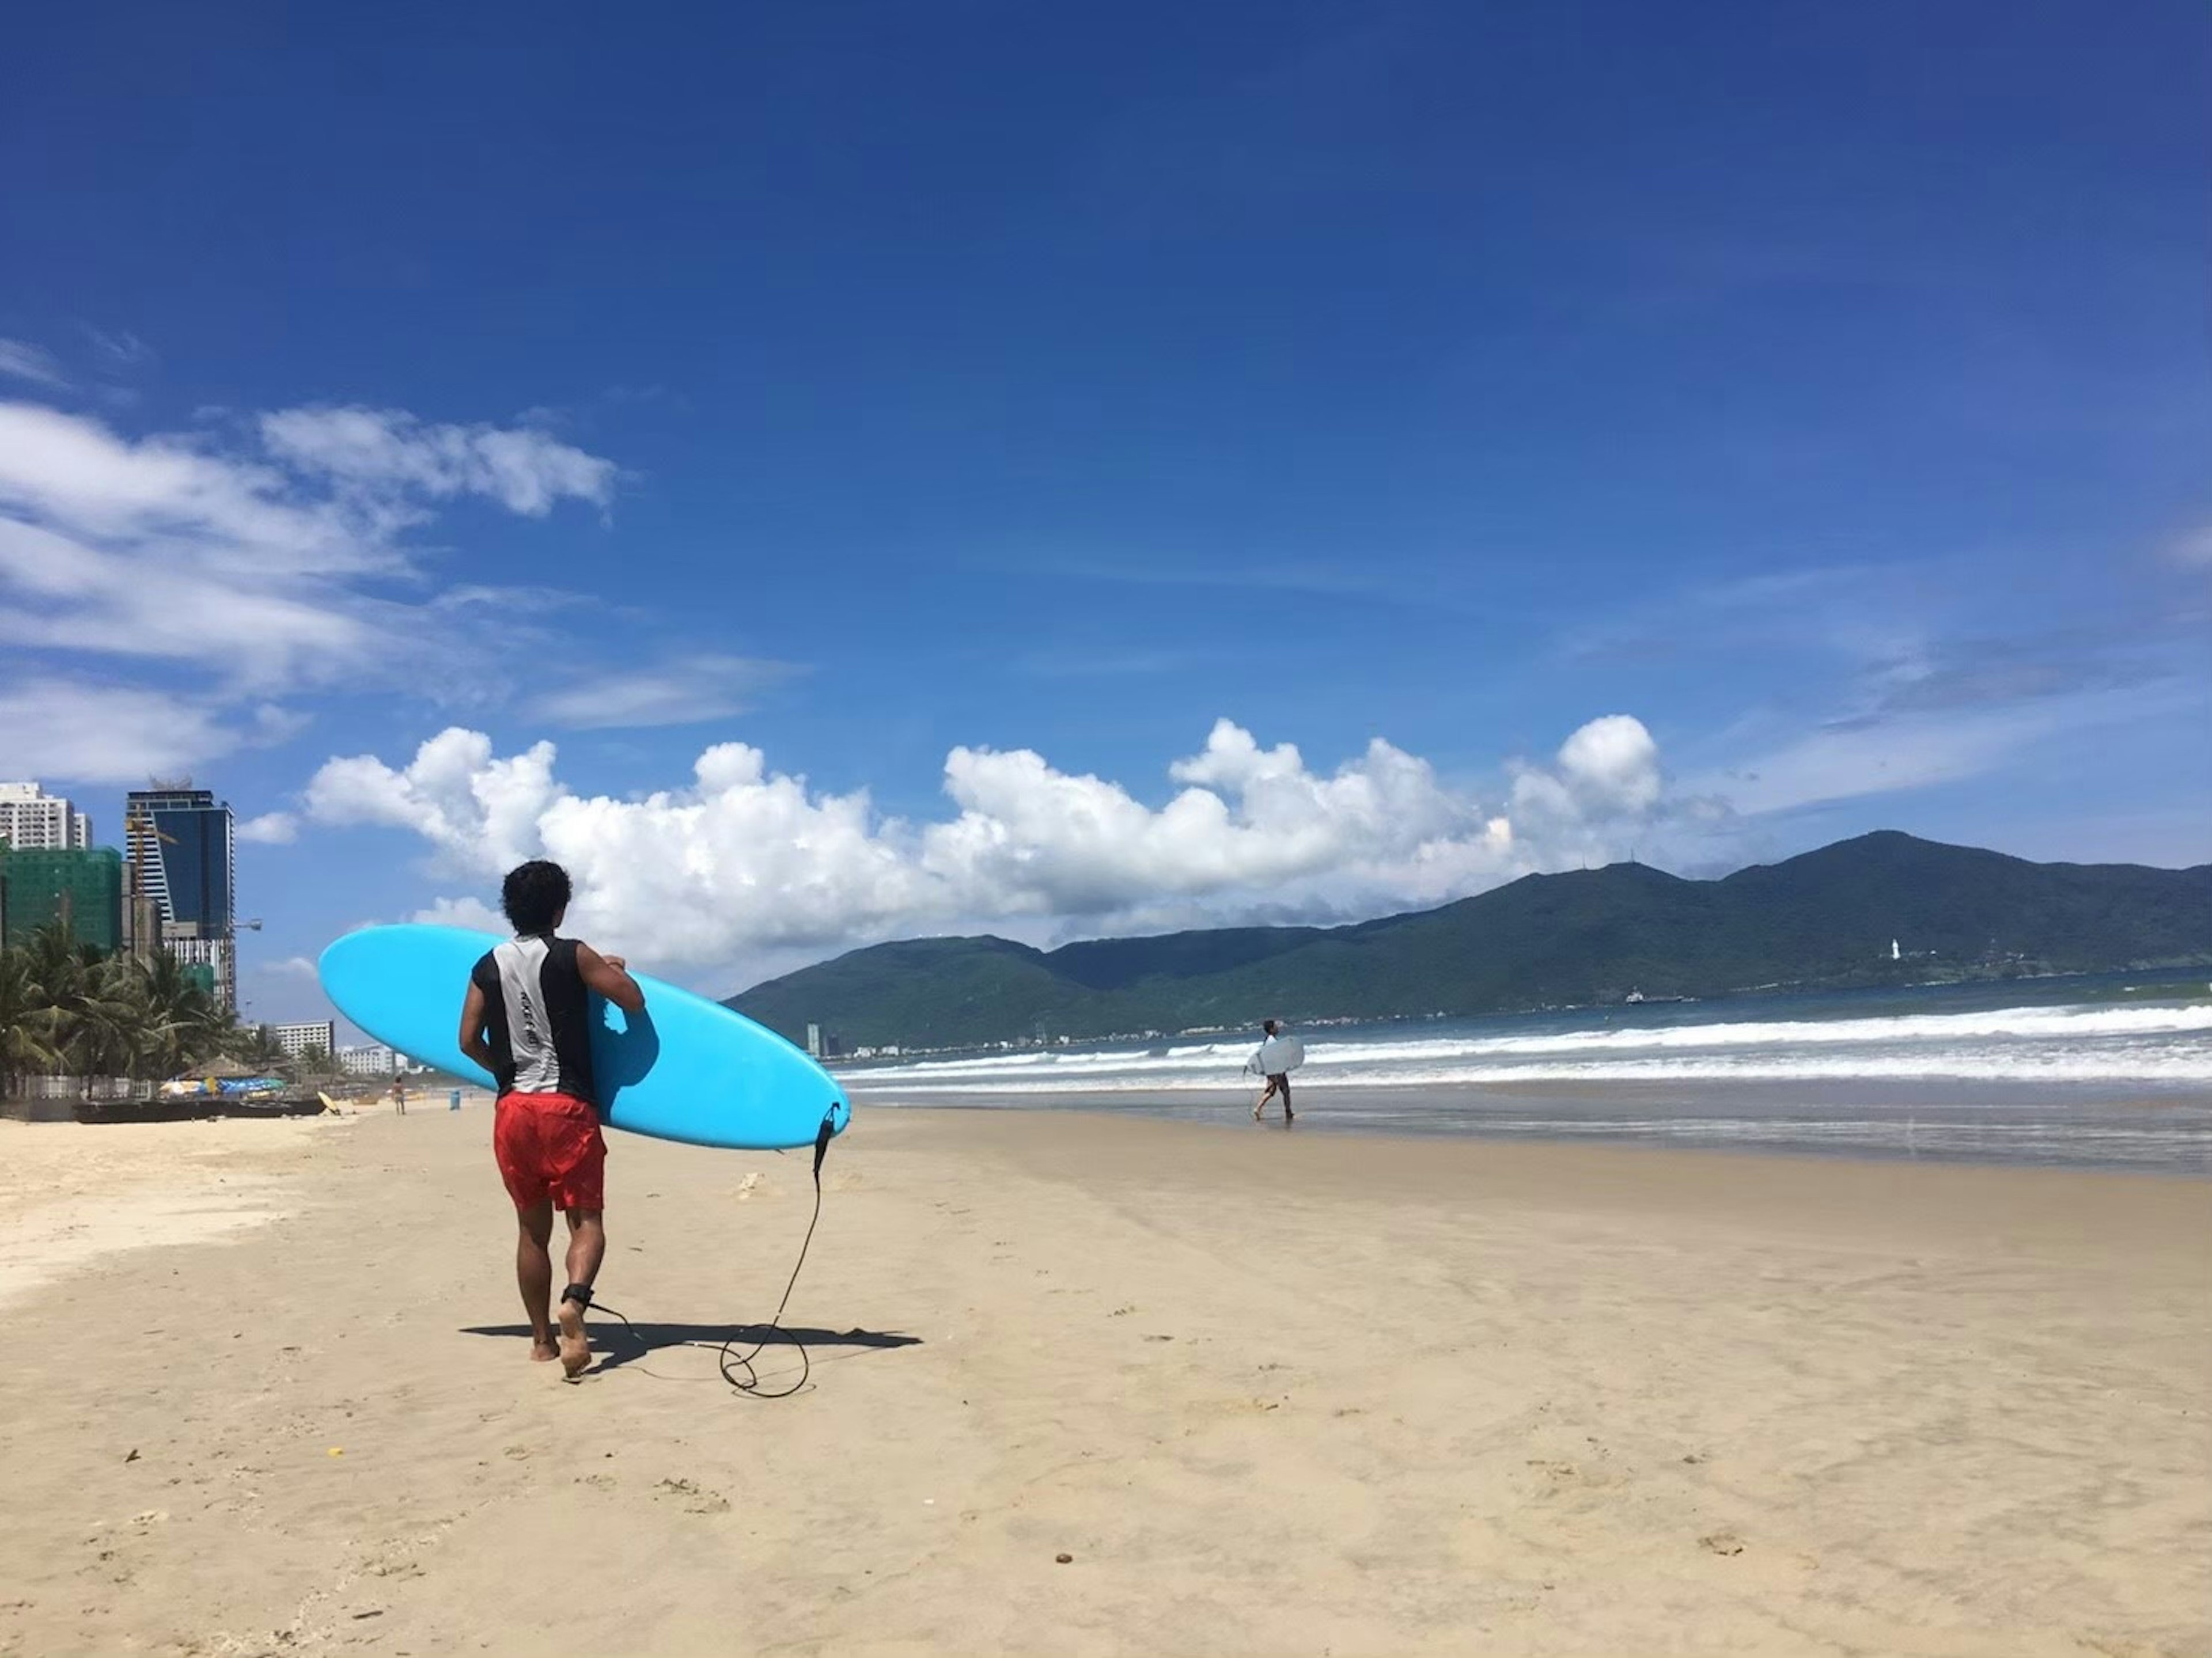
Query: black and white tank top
{"points": [[537, 1017]]}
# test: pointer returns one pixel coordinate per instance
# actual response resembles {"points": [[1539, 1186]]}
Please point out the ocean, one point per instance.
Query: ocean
{"points": [[2107, 1071]]}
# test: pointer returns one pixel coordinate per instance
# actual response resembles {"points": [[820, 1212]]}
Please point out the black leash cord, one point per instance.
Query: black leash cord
{"points": [[737, 1367]]}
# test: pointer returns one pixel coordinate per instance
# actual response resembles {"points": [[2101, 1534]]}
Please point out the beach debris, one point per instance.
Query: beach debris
{"points": [[1723, 1542], [1063, 1559], [1124, 1310], [336, 1450], [746, 1186], [133, 1457], [374, 1611]]}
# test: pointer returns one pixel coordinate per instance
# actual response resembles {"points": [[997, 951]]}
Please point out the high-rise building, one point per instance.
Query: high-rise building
{"points": [[297, 1039], [31, 820], [82, 890], [183, 858]]}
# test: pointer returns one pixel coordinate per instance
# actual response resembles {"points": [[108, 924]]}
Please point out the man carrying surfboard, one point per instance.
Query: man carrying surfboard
{"points": [[1279, 1082], [526, 1019]]}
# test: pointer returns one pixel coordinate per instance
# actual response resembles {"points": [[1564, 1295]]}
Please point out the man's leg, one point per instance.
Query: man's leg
{"points": [[534, 1271], [1288, 1115], [588, 1247]]}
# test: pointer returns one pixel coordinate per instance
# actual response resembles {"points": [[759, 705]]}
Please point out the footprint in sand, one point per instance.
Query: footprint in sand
{"points": [[698, 1499]]}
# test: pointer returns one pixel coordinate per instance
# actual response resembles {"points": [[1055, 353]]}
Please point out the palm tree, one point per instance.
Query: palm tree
{"points": [[179, 1022], [60, 969], [109, 1030], [66, 1008], [259, 1047], [26, 1021]]}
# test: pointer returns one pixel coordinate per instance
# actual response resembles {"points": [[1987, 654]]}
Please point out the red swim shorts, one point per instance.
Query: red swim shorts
{"points": [[550, 1145]]}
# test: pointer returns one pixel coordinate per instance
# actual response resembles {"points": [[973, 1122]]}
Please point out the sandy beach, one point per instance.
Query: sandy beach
{"points": [[267, 1393]]}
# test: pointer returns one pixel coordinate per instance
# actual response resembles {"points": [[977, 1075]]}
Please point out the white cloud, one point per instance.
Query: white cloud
{"points": [[524, 470], [266, 572], [1842, 764], [67, 729], [272, 829], [743, 864], [23, 361], [472, 913], [682, 692], [1611, 765], [81, 480], [1887, 754], [1606, 771], [120, 348], [292, 967]]}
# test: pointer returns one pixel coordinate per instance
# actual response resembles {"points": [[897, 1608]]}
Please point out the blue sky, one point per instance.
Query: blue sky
{"points": [[966, 407]]}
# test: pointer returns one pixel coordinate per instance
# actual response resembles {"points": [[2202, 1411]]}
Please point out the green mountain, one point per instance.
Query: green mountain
{"points": [[1825, 918]]}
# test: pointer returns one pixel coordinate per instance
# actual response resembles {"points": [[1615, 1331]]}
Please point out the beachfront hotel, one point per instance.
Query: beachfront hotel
{"points": [[373, 1060], [297, 1040]]}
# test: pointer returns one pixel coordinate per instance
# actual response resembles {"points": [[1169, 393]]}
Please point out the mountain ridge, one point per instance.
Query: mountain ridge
{"points": [[1824, 918]]}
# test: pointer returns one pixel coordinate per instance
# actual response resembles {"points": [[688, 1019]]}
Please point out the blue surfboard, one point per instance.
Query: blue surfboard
{"points": [[685, 1069]]}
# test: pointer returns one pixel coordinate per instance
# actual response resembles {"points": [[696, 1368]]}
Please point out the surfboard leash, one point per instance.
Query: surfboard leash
{"points": [[737, 1367]]}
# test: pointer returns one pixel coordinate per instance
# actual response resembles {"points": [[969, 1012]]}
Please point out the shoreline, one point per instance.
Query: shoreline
{"points": [[1962, 1125], [1269, 1392]]}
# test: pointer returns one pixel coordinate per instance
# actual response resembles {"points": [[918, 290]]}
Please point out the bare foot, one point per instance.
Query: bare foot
{"points": [[575, 1347], [544, 1352]]}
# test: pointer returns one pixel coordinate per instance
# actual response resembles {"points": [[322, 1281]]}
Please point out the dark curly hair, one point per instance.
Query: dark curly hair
{"points": [[533, 897]]}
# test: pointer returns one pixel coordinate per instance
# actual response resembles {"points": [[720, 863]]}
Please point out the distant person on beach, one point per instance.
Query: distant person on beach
{"points": [[526, 1019], [399, 1096], [1279, 1082]]}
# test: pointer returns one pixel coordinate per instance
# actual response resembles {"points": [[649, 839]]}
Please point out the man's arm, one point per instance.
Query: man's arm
{"points": [[472, 1028], [609, 975]]}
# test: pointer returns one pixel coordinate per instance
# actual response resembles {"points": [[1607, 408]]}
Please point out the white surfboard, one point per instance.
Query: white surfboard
{"points": [[1277, 1055]]}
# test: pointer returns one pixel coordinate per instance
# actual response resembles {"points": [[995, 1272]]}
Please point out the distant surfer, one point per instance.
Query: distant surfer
{"points": [[526, 1019], [1279, 1082]]}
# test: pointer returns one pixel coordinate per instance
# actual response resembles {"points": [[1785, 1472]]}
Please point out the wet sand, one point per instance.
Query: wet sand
{"points": [[268, 1392]]}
